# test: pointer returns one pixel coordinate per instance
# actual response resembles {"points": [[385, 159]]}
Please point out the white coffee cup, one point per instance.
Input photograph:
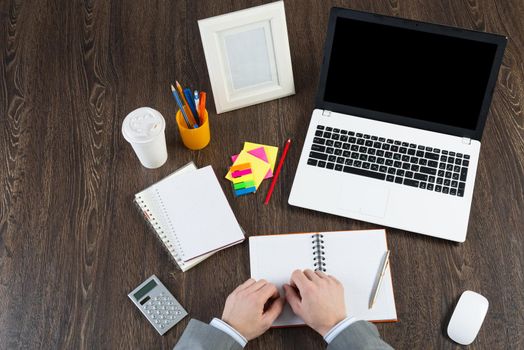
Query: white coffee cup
{"points": [[144, 128]]}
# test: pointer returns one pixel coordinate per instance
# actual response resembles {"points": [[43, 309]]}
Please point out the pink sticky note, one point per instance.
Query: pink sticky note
{"points": [[239, 173], [259, 153]]}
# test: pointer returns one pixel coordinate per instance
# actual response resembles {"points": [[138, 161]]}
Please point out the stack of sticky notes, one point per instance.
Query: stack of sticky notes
{"points": [[251, 166]]}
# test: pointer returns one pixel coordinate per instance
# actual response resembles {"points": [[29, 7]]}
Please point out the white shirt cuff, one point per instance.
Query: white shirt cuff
{"points": [[224, 327], [339, 327]]}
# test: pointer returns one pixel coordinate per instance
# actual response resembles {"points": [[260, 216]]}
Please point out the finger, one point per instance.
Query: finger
{"points": [[311, 275], [275, 309], [268, 291], [292, 298], [245, 285], [333, 278], [299, 279], [322, 275], [256, 286]]}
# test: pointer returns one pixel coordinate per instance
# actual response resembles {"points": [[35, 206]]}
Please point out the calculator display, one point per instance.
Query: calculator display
{"points": [[145, 289]]}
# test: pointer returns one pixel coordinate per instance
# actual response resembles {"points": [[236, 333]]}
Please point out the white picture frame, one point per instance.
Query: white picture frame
{"points": [[248, 57]]}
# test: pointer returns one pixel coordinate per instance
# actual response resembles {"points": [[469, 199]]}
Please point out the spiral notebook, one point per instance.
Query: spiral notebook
{"points": [[190, 215], [353, 257]]}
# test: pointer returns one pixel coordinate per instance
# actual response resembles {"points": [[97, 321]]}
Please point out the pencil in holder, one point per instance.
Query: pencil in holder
{"points": [[194, 139]]}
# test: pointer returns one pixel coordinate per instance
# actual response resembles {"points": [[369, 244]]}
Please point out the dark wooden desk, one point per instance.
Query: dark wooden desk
{"points": [[72, 245]]}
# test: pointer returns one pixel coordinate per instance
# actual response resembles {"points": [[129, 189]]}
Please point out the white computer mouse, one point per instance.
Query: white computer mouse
{"points": [[467, 317]]}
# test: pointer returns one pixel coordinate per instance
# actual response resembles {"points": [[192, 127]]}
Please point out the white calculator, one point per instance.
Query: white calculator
{"points": [[159, 306]]}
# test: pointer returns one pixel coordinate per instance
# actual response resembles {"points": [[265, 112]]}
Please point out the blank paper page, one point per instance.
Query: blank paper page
{"points": [[355, 258], [149, 199], [198, 213], [274, 258]]}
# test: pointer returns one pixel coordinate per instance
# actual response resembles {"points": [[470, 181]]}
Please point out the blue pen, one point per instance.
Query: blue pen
{"points": [[181, 106], [197, 100], [191, 102]]}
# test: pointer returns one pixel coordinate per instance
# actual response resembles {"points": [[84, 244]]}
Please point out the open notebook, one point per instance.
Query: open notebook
{"points": [[353, 257], [190, 215]]}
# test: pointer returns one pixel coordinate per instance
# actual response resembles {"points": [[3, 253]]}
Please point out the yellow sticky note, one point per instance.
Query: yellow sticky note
{"points": [[258, 167], [271, 152]]}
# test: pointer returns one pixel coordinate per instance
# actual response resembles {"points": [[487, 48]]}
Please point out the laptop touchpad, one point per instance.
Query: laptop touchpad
{"points": [[364, 197]]}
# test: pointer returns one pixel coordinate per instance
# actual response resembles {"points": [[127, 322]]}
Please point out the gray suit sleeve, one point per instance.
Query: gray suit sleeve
{"points": [[201, 336], [359, 335]]}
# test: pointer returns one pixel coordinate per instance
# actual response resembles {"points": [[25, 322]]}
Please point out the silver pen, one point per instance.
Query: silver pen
{"points": [[380, 278]]}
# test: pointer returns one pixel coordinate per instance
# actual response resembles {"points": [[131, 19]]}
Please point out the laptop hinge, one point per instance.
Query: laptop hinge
{"points": [[326, 113], [466, 140]]}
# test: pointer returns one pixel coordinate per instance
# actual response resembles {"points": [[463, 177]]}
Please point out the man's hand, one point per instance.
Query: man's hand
{"points": [[252, 307], [317, 298]]}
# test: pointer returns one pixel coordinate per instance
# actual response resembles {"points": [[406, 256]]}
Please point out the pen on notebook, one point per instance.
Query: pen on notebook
{"points": [[380, 278], [191, 104], [184, 102], [282, 158], [181, 106]]}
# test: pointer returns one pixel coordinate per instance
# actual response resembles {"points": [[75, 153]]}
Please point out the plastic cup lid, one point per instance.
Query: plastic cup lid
{"points": [[143, 125]]}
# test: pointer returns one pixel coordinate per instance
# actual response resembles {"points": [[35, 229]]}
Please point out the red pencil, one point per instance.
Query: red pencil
{"points": [[272, 187]]}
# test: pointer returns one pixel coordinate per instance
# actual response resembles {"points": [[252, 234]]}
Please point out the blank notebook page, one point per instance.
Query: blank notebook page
{"points": [[198, 213], [274, 258], [353, 257], [149, 198]]}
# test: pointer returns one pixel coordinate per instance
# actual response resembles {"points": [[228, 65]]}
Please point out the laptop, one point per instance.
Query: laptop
{"points": [[394, 138]]}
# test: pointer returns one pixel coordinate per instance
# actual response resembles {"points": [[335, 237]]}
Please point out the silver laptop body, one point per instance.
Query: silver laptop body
{"points": [[361, 161]]}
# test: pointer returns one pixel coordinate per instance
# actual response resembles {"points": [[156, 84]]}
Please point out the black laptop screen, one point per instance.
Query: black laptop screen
{"points": [[409, 73]]}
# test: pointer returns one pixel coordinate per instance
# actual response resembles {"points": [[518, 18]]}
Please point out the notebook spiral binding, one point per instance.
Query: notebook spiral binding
{"points": [[159, 230], [178, 251], [319, 259]]}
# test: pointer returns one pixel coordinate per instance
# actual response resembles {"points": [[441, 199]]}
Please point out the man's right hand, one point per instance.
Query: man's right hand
{"points": [[317, 298]]}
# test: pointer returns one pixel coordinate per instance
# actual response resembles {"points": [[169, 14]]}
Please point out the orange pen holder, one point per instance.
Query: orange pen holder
{"points": [[194, 139]]}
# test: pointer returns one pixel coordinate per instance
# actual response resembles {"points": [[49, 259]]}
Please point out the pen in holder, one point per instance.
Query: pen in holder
{"points": [[194, 139]]}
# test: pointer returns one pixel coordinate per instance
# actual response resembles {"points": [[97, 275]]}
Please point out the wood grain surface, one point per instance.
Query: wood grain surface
{"points": [[72, 245]]}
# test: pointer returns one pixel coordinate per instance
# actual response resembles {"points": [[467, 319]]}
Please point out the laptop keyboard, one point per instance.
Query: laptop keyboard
{"points": [[390, 160]]}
